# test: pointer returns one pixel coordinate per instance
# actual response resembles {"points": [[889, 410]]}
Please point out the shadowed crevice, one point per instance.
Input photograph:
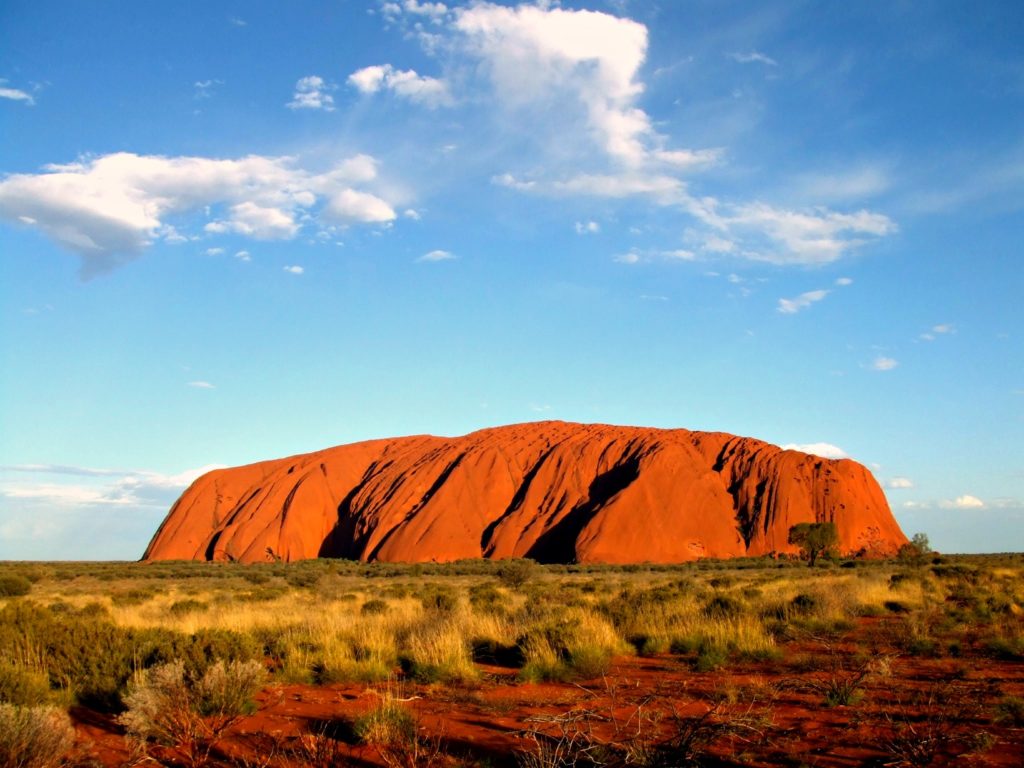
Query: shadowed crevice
{"points": [[558, 544]]}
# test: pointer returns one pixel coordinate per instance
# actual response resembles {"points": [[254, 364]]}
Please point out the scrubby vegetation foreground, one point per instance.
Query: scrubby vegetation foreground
{"points": [[912, 662]]}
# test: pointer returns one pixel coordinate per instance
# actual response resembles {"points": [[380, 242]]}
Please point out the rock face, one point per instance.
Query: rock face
{"points": [[551, 491]]}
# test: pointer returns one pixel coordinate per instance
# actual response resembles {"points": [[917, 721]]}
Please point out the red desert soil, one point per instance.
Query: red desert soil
{"points": [[551, 491], [768, 715]]}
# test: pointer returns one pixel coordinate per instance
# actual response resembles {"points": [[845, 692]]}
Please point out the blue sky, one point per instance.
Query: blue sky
{"points": [[257, 229]]}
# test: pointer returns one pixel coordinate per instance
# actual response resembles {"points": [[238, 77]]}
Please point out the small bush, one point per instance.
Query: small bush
{"points": [[34, 737], [722, 607], [185, 607], [711, 657], [515, 573], [804, 604], [14, 586], [175, 709], [374, 607]]}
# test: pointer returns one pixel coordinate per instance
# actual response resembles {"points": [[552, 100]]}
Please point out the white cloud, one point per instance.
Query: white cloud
{"points": [[433, 10], [963, 502], [257, 221], [587, 227], [428, 91], [897, 483], [825, 450], [243, 256], [294, 270], [688, 159], [538, 55], [804, 300], [882, 363], [437, 255], [214, 251], [350, 205], [842, 281], [15, 94], [632, 257], [753, 57], [679, 254], [311, 92], [109, 209], [569, 81], [201, 385], [411, 213]]}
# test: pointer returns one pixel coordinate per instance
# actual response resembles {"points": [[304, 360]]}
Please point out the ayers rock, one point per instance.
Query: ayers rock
{"points": [[552, 491]]}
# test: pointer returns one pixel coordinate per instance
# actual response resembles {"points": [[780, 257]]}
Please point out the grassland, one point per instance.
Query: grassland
{"points": [[746, 662]]}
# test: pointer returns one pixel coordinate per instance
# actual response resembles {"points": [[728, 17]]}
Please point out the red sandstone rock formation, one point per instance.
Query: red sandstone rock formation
{"points": [[551, 491]]}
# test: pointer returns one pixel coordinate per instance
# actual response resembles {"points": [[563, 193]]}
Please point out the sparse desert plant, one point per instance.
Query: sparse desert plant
{"points": [[13, 585], [187, 713], [394, 731], [34, 737], [514, 573]]}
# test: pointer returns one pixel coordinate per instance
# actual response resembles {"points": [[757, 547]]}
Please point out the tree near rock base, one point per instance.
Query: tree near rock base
{"points": [[814, 539]]}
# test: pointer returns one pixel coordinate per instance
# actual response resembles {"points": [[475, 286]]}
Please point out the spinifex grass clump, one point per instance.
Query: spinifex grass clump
{"points": [[34, 737], [187, 712], [579, 643]]}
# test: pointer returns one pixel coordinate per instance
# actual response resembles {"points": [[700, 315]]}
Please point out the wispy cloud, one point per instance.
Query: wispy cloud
{"points": [[825, 450], [311, 92], [587, 227], [112, 487], [753, 57], [437, 255], [204, 88], [899, 483], [883, 363], [201, 385], [15, 94], [804, 300], [294, 269]]}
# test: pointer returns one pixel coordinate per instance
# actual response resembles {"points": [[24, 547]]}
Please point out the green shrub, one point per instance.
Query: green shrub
{"points": [[14, 586], [34, 737]]}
